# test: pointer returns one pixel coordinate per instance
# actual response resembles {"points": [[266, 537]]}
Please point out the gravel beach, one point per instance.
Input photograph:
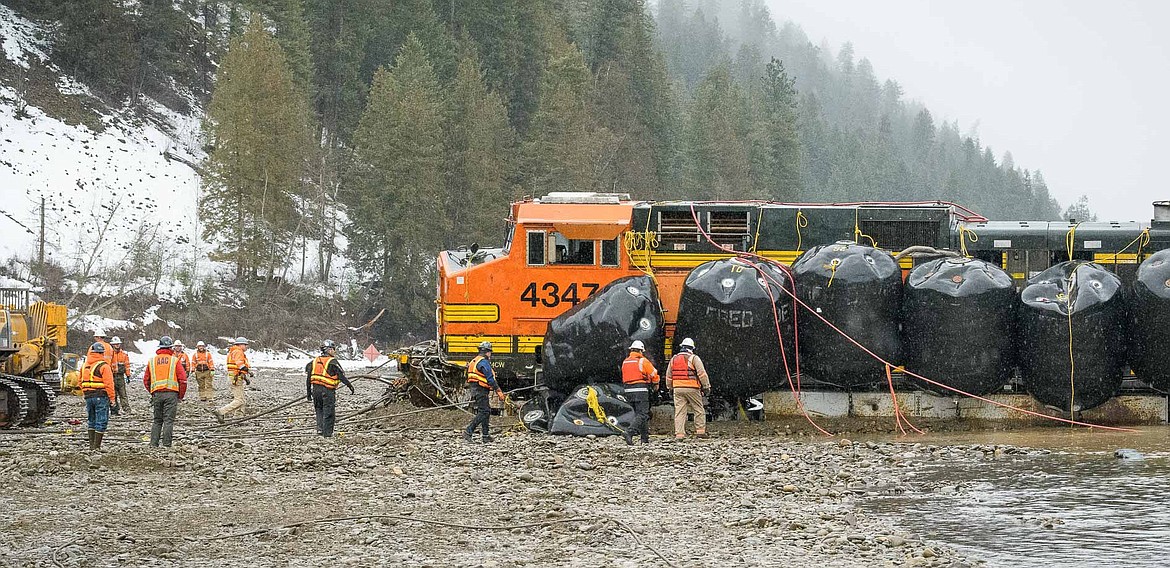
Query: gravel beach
{"points": [[407, 491]]}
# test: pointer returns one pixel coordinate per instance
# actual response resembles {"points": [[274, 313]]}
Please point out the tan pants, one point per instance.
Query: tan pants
{"points": [[688, 400], [239, 399], [206, 384]]}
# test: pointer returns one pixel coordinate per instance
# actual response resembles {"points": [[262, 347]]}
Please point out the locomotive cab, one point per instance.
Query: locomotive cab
{"points": [[559, 250]]}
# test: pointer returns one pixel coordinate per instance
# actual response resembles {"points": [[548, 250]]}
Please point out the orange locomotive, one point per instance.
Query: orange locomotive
{"points": [[561, 248]]}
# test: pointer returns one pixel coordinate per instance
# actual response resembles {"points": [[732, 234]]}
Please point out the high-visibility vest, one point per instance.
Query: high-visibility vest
{"points": [[682, 373], [473, 374], [90, 377], [162, 373], [236, 360], [120, 363], [632, 371], [203, 361], [321, 374], [184, 360]]}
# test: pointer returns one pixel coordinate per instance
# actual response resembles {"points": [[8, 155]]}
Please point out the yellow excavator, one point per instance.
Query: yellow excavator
{"points": [[31, 337]]}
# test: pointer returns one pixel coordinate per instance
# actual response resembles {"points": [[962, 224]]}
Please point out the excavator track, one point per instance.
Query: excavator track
{"points": [[39, 400], [17, 403]]}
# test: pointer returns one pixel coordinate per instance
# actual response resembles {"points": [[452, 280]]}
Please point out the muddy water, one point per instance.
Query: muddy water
{"points": [[1077, 506]]}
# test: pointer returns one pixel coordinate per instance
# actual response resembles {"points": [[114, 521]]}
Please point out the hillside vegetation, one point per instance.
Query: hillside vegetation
{"points": [[344, 142]]}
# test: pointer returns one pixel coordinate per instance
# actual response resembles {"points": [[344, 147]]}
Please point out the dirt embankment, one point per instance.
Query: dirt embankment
{"points": [[227, 496]]}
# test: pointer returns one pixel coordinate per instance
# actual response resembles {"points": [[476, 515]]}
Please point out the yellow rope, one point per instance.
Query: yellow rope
{"points": [[1070, 239], [598, 413], [964, 235], [801, 222], [857, 234], [646, 240], [832, 267], [594, 405], [756, 240], [1142, 240], [1072, 365]]}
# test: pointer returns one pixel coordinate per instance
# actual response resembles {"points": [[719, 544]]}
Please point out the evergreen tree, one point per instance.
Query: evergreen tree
{"points": [[395, 187], [93, 46], [775, 151], [340, 31], [717, 164], [292, 32], [1080, 211], [566, 148], [632, 95], [393, 21], [481, 145], [259, 134]]}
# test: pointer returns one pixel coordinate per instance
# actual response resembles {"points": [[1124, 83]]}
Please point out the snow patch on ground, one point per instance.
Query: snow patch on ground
{"points": [[91, 323], [261, 358], [20, 38]]}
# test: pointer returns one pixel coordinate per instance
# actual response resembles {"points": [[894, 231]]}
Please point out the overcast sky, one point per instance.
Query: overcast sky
{"points": [[1078, 89]]}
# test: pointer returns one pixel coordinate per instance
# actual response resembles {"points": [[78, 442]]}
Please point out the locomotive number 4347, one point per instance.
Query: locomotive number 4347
{"points": [[550, 294]]}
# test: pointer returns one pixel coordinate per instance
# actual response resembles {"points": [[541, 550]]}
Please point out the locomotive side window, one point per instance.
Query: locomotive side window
{"points": [[609, 253], [535, 248], [572, 251]]}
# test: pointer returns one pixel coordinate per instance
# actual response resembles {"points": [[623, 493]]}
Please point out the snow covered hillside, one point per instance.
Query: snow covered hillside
{"points": [[117, 174]]}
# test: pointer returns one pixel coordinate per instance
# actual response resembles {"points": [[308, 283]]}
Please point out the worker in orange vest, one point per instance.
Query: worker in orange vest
{"points": [[120, 362], [638, 377], [97, 384], [204, 371], [322, 375], [166, 380], [238, 372], [99, 336], [481, 379], [181, 354], [687, 377]]}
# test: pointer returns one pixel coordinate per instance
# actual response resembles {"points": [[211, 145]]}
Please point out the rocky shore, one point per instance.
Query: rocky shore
{"points": [[406, 491]]}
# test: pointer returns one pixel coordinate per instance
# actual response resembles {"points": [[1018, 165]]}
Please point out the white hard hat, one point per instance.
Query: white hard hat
{"points": [[99, 333], [637, 344], [115, 340], [241, 340], [485, 346], [201, 344], [178, 343], [687, 342]]}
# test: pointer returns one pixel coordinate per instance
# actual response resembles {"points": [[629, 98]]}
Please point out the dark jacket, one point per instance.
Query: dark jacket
{"points": [[334, 368]]}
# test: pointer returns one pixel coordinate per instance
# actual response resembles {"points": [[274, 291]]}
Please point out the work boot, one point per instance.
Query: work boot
{"points": [[700, 434], [97, 440], [467, 437], [629, 437], [218, 416], [90, 437], [488, 439]]}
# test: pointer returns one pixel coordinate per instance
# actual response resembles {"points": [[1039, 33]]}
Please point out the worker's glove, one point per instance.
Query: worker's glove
{"points": [[247, 381], [309, 397], [503, 397], [705, 391], [352, 390]]}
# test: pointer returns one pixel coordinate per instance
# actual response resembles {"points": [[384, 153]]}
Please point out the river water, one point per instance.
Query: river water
{"points": [[1102, 511]]}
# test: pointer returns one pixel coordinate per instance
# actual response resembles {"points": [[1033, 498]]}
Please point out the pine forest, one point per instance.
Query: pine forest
{"points": [[408, 126]]}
